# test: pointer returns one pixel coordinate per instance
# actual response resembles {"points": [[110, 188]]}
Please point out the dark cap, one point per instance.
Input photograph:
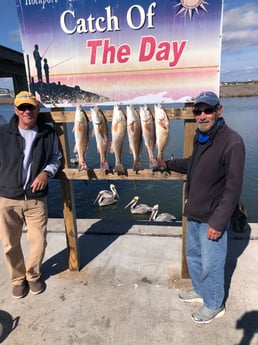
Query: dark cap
{"points": [[207, 97]]}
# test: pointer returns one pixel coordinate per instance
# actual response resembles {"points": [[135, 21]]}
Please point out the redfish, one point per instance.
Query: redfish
{"points": [[162, 129], [118, 130], [134, 132], [148, 133], [100, 131], [81, 134]]}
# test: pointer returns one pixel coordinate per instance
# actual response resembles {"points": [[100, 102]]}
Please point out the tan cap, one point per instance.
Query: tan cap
{"points": [[25, 97]]}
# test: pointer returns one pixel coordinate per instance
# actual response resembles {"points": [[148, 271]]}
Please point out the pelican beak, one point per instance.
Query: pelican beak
{"points": [[97, 198], [129, 204], [152, 212], [116, 195]]}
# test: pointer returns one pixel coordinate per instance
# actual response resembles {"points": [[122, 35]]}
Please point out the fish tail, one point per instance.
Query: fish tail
{"points": [[104, 165], [82, 166], [153, 163], [137, 166], [160, 155], [119, 168]]}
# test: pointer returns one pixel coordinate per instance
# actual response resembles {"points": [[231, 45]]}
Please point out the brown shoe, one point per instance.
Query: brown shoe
{"points": [[37, 287], [21, 290]]}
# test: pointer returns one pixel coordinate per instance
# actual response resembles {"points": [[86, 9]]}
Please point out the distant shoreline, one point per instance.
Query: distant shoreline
{"points": [[6, 100], [227, 90]]}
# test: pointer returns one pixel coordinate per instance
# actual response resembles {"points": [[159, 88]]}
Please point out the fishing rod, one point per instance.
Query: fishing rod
{"points": [[60, 63]]}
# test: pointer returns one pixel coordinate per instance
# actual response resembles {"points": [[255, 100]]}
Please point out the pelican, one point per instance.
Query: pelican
{"points": [[162, 217], [138, 209], [107, 197]]}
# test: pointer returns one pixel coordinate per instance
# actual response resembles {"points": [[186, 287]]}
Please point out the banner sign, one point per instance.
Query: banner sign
{"points": [[120, 51]]}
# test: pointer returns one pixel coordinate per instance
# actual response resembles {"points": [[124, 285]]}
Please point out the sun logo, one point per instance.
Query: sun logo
{"points": [[188, 6]]}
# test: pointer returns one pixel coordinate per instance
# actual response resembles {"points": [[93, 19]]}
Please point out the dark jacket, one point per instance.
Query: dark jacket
{"points": [[11, 159], [214, 177]]}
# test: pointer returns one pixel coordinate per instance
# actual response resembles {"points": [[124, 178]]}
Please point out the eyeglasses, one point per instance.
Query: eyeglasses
{"points": [[206, 111], [24, 107]]}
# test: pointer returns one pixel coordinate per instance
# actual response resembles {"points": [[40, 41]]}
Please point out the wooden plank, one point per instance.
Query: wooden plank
{"points": [[97, 174], [69, 210], [70, 225], [60, 115]]}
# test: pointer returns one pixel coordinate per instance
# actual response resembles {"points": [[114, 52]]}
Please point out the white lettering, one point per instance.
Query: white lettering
{"points": [[137, 9], [40, 2], [63, 22], [129, 17], [70, 24]]}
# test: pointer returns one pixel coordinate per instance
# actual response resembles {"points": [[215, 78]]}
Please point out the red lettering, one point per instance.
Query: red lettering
{"points": [[147, 48], [93, 44], [109, 54], [177, 52], [123, 53]]}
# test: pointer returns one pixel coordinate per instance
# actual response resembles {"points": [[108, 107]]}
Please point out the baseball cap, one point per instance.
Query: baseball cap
{"points": [[207, 97], [25, 97]]}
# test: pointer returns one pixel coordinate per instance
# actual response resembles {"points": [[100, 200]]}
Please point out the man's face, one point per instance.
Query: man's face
{"points": [[27, 115], [206, 116]]}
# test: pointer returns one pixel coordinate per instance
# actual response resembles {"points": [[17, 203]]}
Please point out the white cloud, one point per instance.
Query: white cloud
{"points": [[240, 39], [6, 83], [14, 36], [240, 27]]}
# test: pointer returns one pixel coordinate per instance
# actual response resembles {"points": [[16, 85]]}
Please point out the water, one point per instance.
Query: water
{"points": [[239, 113]]}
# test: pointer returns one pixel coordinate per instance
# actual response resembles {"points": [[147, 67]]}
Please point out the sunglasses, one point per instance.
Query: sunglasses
{"points": [[24, 107], [206, 111]]}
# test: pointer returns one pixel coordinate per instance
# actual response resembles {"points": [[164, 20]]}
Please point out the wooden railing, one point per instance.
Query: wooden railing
{"points": [[59, 118]]}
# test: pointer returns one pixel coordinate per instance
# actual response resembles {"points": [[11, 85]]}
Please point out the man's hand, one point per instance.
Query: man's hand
{"points": [[162, 165], [213, 234], [40, 182]]}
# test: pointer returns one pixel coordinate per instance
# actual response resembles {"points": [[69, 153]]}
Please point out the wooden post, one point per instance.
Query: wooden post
{"points": [[189, 130], [68, 201], [59, 117], [70, 225]]}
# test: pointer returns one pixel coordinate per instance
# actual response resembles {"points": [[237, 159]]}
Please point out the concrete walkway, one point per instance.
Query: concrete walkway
{"points": [[126, 291]]}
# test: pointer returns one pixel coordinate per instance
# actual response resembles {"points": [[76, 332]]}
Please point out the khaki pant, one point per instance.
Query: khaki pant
{"points": [[13, 213]]}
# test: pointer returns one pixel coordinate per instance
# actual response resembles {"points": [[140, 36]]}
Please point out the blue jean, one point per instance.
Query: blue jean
{"points": [[206, 263]]}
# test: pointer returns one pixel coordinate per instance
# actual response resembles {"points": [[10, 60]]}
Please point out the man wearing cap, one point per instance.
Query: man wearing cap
{"points": [[213, 187], [29, 156]]}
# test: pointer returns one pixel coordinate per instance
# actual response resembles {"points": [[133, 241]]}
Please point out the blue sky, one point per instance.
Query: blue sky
{"points": [[239, 59]]}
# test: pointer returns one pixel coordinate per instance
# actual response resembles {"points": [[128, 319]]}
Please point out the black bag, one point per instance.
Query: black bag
{"points": [[238, 220]]}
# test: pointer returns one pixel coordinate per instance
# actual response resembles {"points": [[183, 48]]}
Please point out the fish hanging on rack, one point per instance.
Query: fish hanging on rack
{"points": [[100, 131], [134, 132], [118, 131], [81, 135], [148, 133], [162, 129]]}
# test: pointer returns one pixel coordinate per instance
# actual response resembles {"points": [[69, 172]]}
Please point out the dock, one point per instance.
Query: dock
{"points": [[126, 291]]}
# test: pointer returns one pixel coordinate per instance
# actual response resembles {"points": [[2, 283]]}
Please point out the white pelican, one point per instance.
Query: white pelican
{"points": [[138, 209], [107, 197], [162, 217]]}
